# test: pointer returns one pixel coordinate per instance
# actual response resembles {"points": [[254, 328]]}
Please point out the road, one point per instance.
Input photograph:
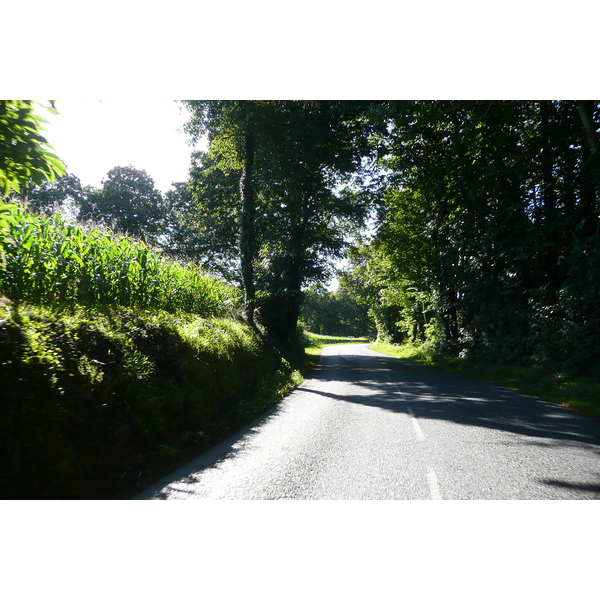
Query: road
{"points": [[366, 426]]}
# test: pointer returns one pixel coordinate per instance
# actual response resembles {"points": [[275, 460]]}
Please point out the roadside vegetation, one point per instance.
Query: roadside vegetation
{"points": [[579, 392], [95, 402], [59, 263], [117, 363]]}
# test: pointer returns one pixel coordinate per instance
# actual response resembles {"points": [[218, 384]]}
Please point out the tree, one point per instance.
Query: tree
{"points": [[64, 193], [288, 157], [487, 238], [25, 154], [201, 226], [333, 313], [317, 147], [128, 202], [232, 128]]}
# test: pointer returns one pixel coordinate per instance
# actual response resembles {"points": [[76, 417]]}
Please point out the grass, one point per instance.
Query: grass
{"points": [[118, 364], [97, 403], [579, 393]]}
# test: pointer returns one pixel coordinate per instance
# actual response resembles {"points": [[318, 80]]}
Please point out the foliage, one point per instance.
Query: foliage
{"points": [[57, 263], [333, 313], [487, 242], [202, 219], [128, 203], [97, 404], [25, 157], [63, 194], [7, 218], [25, 154], [297, 164]]}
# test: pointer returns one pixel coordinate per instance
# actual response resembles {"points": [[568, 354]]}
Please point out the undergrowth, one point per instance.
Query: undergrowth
{"points": [[577, 392], [97, 404]]}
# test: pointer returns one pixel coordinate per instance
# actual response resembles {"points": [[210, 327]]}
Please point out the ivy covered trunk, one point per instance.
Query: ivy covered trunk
{"points": [[280, 312], [247, 234]]}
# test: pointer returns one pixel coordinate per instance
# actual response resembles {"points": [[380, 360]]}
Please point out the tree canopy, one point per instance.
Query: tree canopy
{"points": [[127, 202], [488, 230]]}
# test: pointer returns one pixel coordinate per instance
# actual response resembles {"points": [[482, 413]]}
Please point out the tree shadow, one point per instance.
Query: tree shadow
{"points": [[439, 395], [583, 487]]}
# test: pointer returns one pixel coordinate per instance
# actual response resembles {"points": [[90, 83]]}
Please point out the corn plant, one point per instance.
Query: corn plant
{"points": [[51, 261]]}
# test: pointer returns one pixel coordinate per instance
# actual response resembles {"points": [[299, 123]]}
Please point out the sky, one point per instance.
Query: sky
{"points": [[92, 136]]}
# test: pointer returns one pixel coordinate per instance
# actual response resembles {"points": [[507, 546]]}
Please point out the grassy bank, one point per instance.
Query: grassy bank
{"points": [[579, 393], [95, 404], [116, 363]]}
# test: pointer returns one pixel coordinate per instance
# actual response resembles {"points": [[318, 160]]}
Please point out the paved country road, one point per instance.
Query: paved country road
{"points": [[368, 426]]}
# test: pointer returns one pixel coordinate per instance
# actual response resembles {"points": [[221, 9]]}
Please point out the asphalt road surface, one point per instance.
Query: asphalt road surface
{"points": [[366, 426]]}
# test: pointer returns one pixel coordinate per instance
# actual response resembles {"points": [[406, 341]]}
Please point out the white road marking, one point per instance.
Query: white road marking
{"points": [[413, 417], [415, 423], [432, 482], [434, 488]]}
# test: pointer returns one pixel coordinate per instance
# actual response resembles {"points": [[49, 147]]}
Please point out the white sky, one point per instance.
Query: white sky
{"points": [[91, 137]]}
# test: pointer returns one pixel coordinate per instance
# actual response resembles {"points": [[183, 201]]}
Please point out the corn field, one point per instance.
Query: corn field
{"points": [[51, 261]]}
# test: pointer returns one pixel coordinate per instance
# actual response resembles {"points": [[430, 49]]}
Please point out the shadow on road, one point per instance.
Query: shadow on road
{"points": [[435, 394], [583, 487]]}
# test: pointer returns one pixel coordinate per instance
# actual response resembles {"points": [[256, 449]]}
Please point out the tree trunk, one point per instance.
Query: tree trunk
{"points": [[283, 309], [247, 233], [585, 108]]}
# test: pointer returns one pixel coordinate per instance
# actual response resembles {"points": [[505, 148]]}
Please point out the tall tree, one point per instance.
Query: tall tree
{"points": [[64, 193], [489, 217], [232, 128], [289, 156]]}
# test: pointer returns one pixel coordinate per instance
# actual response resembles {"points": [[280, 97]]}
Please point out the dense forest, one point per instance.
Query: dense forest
{"points": [[487, 231], [470, 227]]}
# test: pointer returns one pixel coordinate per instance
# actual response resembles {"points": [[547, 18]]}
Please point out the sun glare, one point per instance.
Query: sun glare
{"points": [[93, 136]]}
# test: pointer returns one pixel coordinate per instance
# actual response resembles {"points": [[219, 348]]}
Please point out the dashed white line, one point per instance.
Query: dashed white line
{"points": [[413, 417], [432, 482], [415, 423], [434, 488]]}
